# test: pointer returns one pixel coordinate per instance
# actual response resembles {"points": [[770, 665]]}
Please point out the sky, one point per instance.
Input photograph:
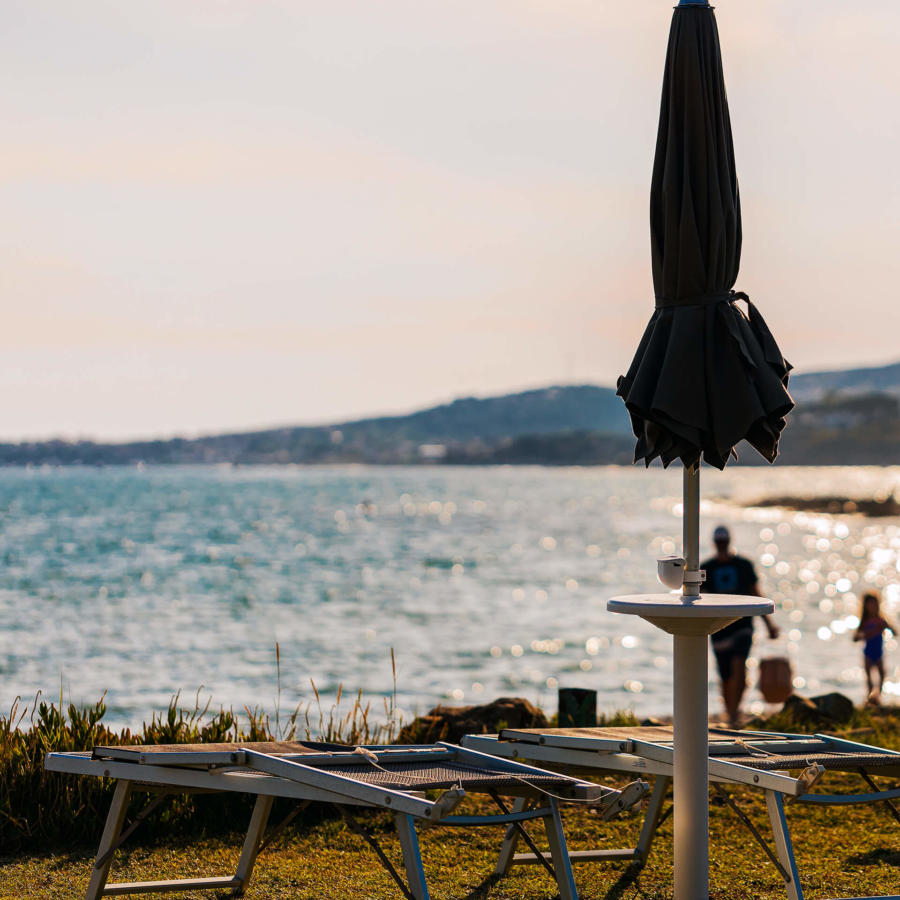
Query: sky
{"points": [[230, 214]]}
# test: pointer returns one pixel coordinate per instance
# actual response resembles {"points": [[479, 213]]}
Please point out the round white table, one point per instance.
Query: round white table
{"points": [[690, 620]]}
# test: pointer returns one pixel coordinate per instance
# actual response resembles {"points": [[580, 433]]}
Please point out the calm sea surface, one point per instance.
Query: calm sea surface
{"points": [[484, 581]]}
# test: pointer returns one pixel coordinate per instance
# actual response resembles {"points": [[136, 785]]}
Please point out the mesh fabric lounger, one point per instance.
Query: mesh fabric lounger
{"points": [[390, 778], [783, 766]]}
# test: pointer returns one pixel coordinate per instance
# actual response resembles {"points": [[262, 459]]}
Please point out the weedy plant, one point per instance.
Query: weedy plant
{"points": [[41, 809], [356, 725]]}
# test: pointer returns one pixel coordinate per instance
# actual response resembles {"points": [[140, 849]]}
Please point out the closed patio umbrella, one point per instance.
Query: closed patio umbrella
{"points": [[705, 376]]}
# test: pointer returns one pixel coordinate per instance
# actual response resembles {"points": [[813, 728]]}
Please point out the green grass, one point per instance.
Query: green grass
{"points": [[851, 852], [50, 825]]}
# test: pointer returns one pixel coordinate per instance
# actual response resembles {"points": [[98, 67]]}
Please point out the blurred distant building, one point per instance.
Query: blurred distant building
{"points": [[433, 452]]}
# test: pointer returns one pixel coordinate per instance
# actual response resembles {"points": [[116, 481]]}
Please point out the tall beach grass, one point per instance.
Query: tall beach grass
{"points": [[40, 809]]}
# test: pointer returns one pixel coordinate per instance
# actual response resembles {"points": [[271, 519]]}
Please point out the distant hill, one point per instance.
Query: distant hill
{"points": [[544, 411], [468, 429], [842, 417], [842, 429], [874, 380]]}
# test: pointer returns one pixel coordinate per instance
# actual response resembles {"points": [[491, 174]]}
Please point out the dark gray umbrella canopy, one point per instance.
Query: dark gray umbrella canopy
{"points": [[706, 375]]}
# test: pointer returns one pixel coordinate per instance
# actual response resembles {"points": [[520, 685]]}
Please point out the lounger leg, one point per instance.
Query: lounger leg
{"points": [[510, 839], [111, 831], [651, 819], [255, 831], [412, 858], [565, 880], [775, 805]]}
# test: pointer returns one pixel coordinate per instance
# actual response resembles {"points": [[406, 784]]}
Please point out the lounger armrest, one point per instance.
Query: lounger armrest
{"points": [[444, 806], [627, 797]]}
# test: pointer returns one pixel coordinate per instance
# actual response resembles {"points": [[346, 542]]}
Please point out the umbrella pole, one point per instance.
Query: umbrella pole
{"points": [[691, 723], [691, 530]]}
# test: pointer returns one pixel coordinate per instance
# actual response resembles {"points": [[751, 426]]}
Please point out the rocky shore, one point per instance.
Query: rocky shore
{"points": [[874, 507], [449, 723]]}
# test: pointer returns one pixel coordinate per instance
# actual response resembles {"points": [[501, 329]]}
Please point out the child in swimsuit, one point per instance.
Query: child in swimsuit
{"points": [[871, 630]]}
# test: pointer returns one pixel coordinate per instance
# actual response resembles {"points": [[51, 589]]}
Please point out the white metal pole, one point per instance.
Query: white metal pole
{"points": [[690, 518], [691, 788], [691, 722]]}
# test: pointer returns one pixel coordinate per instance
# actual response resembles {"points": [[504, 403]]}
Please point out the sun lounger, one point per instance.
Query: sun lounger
{"points": [[392, 778], [783, 766]]}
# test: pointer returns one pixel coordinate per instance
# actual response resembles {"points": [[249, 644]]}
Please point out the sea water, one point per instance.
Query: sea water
{"points": [[484, 582]]}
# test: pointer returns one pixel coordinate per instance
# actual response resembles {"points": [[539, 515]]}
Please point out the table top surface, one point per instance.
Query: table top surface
{"points": [[674, 605]]}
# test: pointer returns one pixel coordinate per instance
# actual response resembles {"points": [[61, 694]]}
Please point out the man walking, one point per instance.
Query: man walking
{"points": [[728, 573]]}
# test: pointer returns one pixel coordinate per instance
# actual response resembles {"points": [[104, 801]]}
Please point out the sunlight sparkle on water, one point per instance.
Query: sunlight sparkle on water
{"points": [[470, 575]]}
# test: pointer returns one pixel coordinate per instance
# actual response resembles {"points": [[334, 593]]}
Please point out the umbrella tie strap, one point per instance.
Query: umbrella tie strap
{"points": [[697, 299], [702, 299]]}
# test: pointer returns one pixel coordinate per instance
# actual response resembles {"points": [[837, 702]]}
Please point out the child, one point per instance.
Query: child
{"points": [[871, 630]]}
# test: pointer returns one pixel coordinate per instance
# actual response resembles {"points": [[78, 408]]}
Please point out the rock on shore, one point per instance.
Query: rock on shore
{"points": [[450, 723], [866, 506]]}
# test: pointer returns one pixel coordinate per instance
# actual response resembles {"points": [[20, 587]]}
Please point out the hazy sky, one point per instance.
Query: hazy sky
{"points": [[241, 213]]}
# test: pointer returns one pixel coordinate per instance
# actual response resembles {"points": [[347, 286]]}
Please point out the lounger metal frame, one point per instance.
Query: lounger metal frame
{"points": [[603, 751], [304, 777]]}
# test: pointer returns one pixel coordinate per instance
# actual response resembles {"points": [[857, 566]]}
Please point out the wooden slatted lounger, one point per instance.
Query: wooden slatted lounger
{"points": [[783, 766], [392, 778]]}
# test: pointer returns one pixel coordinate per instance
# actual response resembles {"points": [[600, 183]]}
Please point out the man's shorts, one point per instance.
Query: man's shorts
{"points": [[730, 647]]}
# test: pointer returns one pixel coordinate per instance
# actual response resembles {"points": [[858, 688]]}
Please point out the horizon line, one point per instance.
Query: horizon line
{"points": [[352, 420]]}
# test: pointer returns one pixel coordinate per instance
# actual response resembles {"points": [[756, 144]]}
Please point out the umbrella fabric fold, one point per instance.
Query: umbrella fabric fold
{"points": [[706, 375]]}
